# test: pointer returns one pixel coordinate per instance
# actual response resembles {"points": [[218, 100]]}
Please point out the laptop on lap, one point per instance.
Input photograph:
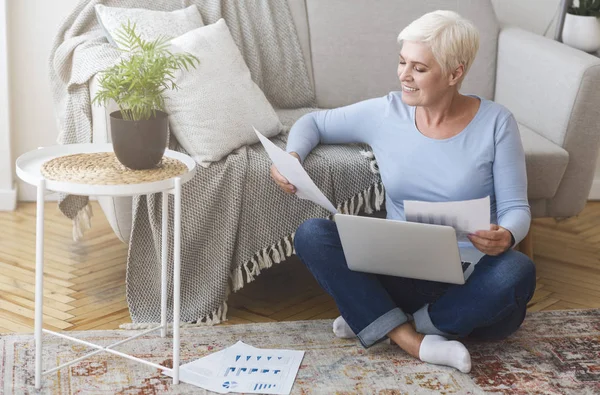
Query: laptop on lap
{"points": [[402, 249]]}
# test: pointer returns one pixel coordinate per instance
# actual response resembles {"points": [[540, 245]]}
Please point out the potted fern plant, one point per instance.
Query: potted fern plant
{"points": [[582, 28], [139, 130]]}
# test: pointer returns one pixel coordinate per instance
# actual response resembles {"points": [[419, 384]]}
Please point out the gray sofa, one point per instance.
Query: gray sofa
{"points": [[553, 90]]}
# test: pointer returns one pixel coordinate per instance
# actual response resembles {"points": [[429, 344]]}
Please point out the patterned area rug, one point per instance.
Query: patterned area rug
{"points": [[553, 353]]}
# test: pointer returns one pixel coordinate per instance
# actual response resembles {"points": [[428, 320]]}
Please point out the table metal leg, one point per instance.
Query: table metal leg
{"points": [[39, 289], [164, 255], [39, 281], [176, 279]]}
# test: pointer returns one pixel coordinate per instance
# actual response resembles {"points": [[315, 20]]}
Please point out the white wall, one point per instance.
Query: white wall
{"points": [[532, 15], [32, 25], [7, 188]]}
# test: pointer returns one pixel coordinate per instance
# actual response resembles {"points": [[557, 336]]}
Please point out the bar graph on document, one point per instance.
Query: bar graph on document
{"points": [[260, 386], [246, 369], [466, 216], [265, 371], [442, 219]]}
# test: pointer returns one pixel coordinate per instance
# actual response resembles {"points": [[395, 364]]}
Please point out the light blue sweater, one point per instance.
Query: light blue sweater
{"points": [[485, 158]]}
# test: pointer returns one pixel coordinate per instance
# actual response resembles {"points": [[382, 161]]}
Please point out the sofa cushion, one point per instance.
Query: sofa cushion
{"points": [[150, 24], [355, 53], [546, 164]]}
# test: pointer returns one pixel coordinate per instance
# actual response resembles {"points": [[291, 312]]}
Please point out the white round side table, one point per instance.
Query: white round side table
{"points": [[29, 169]]}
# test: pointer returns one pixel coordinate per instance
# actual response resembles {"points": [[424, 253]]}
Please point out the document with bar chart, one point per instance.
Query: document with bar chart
{"points": [[466, 216], [247, 369]]}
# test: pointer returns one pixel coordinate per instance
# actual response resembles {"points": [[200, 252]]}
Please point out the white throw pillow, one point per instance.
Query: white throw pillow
{"points": [[150, 24], [217, 104]]}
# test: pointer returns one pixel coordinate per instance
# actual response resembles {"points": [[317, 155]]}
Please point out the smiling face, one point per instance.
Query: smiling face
{"points": [[422, 78]]}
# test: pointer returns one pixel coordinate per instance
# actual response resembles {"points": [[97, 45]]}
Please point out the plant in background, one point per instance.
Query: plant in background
{"points": [[586, 8], [138, 81]]}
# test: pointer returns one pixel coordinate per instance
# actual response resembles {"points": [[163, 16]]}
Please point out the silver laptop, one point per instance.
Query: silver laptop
{"points": [[403, 249]]}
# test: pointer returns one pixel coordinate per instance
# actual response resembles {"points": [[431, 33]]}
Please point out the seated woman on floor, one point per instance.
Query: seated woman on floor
{"points": [[433, 144]]}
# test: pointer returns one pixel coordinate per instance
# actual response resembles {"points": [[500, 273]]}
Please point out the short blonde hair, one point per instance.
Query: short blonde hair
{"points": [[453, 39]]}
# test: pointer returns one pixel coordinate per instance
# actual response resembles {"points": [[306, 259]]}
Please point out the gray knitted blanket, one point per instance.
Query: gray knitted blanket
{"points": [[235, 221]]}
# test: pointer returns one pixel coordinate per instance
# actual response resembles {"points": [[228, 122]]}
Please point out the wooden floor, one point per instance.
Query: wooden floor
{"points": [[85, 281]]}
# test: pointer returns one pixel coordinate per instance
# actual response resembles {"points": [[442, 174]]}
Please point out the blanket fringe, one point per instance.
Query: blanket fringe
{"points": [[261, 264], [249, 276], [360, 203], [367, 198], [82, 222], [280, 250], [255, 267], [372, 160], [288, 245], [216, 317], [292, 236], [381, 200], [266, 258], [372, 199]]}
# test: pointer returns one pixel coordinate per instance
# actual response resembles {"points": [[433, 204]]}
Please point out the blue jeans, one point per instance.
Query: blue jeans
{"points": [[490, 305]]}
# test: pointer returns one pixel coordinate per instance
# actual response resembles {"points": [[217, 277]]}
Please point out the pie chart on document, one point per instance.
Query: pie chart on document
{"points": [[229, 384]]}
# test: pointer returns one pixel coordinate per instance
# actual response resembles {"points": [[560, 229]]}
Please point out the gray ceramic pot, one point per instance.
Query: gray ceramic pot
{"points": [[139, 144]]}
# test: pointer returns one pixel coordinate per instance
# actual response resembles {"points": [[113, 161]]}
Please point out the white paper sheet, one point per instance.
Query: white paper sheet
{"points": [[243, 368], [292, 169], [466, 216]]}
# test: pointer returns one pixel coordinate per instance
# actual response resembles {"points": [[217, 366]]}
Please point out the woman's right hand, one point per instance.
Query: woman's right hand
{"points": [[280, 180]]}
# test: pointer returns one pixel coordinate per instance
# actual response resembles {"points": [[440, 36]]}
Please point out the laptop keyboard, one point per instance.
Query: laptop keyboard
{"points": [[465, 266]]}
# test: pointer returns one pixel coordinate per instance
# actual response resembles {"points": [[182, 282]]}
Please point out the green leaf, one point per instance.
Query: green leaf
{"points": [[586, 8], [145, 71]]}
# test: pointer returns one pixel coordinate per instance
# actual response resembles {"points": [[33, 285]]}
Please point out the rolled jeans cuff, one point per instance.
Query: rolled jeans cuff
{"points": [[378, 329], [424, 325]]}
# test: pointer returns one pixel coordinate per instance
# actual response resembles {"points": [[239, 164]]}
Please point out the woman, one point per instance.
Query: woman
{"points": [[432, 144]]}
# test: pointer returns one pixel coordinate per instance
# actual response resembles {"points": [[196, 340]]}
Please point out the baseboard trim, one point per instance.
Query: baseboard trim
{"points": [[595, 191], [8, 199]]}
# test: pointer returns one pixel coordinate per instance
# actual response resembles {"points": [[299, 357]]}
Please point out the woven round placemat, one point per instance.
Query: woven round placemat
{"points": [[103, 168]]}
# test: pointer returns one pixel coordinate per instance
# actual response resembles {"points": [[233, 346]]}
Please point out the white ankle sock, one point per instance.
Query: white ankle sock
{"points": [[341, 329], [441, 351], [434, 349]]}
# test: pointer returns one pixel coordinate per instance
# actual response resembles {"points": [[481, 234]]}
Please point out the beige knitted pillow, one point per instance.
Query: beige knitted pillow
{"points": [[150, 24], [217, 104]]}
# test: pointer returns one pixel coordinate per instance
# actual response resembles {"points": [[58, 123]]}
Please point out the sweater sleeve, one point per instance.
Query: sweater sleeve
{"points": [[355, 123], [510, 180]]}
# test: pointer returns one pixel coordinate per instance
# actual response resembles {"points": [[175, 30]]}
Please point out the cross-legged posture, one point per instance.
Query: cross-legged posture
{"points": [[433, 144], [490, 305]]}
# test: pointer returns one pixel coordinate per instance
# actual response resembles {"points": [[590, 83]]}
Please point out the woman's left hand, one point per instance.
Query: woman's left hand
{"points": [[492, 242]]}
